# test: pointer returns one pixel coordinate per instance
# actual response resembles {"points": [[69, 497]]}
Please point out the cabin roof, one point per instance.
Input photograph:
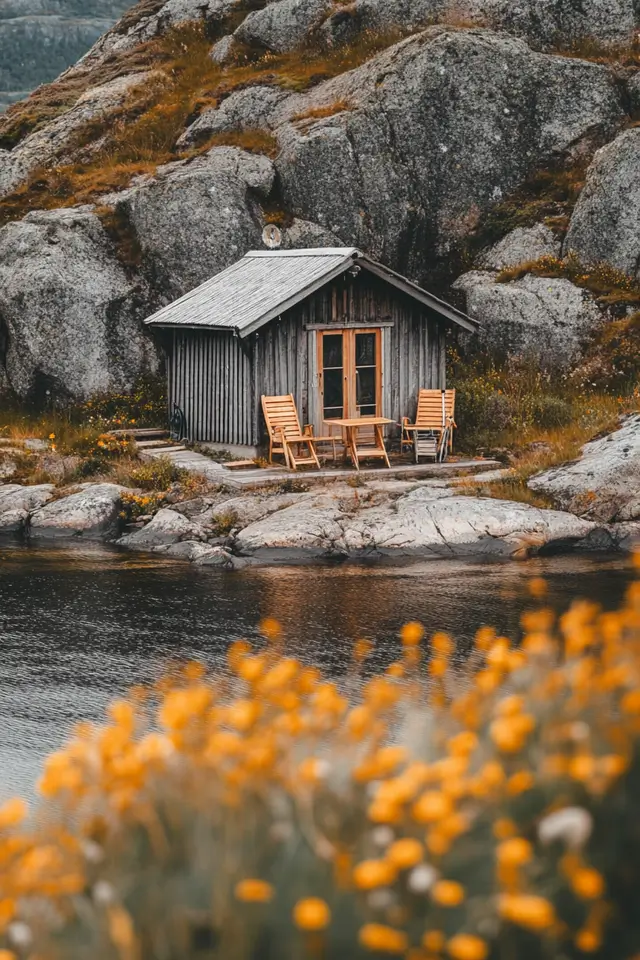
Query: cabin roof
{"points": [[265, 283]]}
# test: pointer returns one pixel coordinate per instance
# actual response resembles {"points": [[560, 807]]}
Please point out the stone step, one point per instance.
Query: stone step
{"points": [[143, 433], [151, 444]]}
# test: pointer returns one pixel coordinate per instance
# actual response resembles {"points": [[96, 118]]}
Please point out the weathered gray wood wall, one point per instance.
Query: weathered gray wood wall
{"points": [[210, 379], [217, 379]]}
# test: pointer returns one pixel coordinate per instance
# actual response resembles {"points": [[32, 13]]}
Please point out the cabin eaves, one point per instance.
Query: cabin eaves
{"points": [[266, 283]]}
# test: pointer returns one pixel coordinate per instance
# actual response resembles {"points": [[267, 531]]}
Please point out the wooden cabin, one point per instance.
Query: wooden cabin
{"points": [[345, 335]]}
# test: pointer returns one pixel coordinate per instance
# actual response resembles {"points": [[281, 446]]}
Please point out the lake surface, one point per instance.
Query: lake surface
{"points": [[79, 625]]}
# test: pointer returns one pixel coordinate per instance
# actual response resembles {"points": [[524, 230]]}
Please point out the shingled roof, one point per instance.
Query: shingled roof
{"points": [[265, 283]]}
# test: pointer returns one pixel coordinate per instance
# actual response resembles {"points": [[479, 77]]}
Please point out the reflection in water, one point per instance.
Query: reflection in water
{"points": [[79, 625]]}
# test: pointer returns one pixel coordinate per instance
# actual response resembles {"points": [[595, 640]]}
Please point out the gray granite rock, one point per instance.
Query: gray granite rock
{"points": [[604, 483], [519, 246], [284, 25], [439, 129], [605, 225], [17, 502], [195, 218], [72, 314], [545, 23], [242, 110], [303, 235], [166, 528], [545, 319], [91, 513], [49, 142], [195, 552], [222, 52], [418, 523]]}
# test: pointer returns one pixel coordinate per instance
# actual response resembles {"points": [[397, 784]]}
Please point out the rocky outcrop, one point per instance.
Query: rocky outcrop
{"points": [[520, 246], [91, 513], [194, 219], [417, 523], [18, 502], [166, 528], [544, 23], [605, 225], [49, 142], [604, 484], [247, 109], [544, 319], [436, 131], [283, 25], [72, 316]]}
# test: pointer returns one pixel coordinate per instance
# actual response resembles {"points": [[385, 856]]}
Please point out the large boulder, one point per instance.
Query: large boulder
{"points": [[17, 502], [426, 137], [520, 246], [604, 484], [166, 528], [605, 225], [420, 523], [152, 19], [544, 23], [284, 25], [91, 513], [195, 218], [70, 314], [246, 109], [545, 319]]}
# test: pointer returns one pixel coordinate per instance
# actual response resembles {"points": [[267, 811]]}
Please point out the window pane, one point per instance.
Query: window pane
{"points": [[333, 413], [365, 349], [366, 386], [333, 388], [367, 411], [332, 350]]}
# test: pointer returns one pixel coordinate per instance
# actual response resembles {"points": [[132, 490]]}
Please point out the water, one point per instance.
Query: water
{"points": [[79, 625]]}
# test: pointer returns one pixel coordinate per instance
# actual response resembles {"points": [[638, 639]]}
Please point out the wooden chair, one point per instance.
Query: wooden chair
{"points": [[432, 433], [285, 435]]}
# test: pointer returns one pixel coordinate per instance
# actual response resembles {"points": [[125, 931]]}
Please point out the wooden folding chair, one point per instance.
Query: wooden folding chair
{"points": [[432, 433], [285, 435]]}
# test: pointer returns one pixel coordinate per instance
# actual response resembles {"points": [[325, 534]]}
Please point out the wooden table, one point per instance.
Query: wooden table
{"points": [[351, 428]]}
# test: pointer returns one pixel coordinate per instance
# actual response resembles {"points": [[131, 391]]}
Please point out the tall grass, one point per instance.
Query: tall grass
{"points": [[474, 808]]}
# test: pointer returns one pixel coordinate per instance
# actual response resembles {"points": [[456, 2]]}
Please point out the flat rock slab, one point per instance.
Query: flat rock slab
{"points": [[422, 523], [91, 513], [604, 484]]}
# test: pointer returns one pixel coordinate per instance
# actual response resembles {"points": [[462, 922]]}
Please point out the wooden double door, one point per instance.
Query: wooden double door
{"points": [[350, 365]]}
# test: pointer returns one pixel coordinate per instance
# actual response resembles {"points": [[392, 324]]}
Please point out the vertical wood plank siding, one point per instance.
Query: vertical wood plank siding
{"points": [[218, 380], [210, 379]]}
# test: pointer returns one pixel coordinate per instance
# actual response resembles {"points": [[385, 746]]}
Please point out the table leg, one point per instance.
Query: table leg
{"points": [[380, 443], [353, 445]]}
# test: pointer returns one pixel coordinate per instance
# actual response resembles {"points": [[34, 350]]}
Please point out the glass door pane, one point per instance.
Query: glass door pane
{"points": [[366, 368], [333, 376]]}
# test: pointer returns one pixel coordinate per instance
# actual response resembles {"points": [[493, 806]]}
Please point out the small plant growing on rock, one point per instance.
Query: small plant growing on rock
{"points": [[135, 506]]}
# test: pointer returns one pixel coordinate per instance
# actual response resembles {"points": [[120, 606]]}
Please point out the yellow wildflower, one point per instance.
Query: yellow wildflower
{"points": [[311, 914], [448, 893], [383, 939], [465, 946], [254, 891]]}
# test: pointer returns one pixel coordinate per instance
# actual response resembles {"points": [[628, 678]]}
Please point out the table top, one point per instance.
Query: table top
{"points": [[361, 422]]}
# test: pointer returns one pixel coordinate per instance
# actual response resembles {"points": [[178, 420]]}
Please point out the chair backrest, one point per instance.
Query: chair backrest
{"points": [[429, 415], [280, 415]]}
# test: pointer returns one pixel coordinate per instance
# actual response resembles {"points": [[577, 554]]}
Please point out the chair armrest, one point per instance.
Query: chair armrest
{"points": [[308, 430]]}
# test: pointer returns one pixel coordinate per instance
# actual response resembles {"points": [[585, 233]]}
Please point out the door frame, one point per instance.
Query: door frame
{"points": [[349, 367]]}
